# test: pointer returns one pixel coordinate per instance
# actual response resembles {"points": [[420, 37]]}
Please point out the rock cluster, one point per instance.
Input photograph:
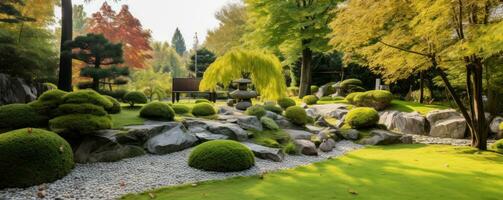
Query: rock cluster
{"points": [[17, 90]]}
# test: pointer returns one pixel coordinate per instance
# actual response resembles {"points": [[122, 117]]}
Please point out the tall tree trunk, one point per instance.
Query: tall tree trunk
{"points": [[481, 126], [421, 87], [305, 73], [65, 59]]}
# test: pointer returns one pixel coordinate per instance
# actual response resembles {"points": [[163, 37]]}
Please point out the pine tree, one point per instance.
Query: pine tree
{"points": [[178, 42], [204, 59]]}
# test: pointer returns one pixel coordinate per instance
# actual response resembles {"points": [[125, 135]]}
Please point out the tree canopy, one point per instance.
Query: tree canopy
{"points": [[229, 32], [178, 42]]}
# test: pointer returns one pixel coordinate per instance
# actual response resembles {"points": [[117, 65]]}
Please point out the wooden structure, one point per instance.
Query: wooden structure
{"points": [[190, 86]]}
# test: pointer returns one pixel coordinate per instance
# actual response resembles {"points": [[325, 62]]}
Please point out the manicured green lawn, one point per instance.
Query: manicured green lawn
{"points": [[127, 117], [384, 172], [407, 106]]}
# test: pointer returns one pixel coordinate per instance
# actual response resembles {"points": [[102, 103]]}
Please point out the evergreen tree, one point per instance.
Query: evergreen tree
{"points": [[204, 59], [165, 59], [178, 42], [11, 13]]}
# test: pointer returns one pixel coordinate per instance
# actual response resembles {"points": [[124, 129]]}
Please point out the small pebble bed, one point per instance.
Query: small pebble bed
{"points": [[113, 180]]}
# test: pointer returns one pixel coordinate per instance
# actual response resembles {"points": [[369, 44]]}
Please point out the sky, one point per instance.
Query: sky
{"points": [[162, 17]]}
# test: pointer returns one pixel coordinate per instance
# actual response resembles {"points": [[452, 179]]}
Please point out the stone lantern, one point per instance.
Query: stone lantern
{"points": [[242, 95]]}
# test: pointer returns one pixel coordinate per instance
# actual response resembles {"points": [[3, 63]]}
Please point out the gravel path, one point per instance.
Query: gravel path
{"points": [[112, 180], [423, 139]]}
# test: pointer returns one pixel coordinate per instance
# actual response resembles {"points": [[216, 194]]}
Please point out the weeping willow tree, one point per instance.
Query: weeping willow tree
{"points": [[263, 69]]}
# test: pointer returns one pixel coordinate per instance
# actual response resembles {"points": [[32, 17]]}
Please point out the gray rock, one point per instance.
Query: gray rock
{"points": [[104, 147], [407, 139], [306, 147], [381, 137], [351, 134], [328, 133], [322, 122], [327, 145], [142, 133], [231, 102], [449, 128], [324, 110], [311, 112], [314, 129], [208, 136], [225, 110], [495, 124], [434, 116], [243, 105], [285, 124], [410, 123], [250, 123], [17, 90], [175, 139], [324, 90], [298, 134], [338, 113], [387, 118], [266, 153], [234, 131], [273, 115]]}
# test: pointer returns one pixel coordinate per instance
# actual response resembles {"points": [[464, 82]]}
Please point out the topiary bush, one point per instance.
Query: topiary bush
{"points": [[87, 96], [116, 108], [14, 116], [273, 108], [203, 109], [296, 115], [48, 102], [314, 89], [33, 156], [269, 123], [135, 97], [181, 109], [378, 99], [85, 108], [256, 110], [202, 101], [221, 156], [79, 123], [310, 99], [363, 117], [158, 111], [286, 102]]}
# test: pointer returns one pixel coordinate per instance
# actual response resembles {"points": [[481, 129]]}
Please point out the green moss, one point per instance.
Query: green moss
{"points": [[349, 82], [378, 99], [273, 108], [269, 123], [135, 97], [290, 148], [314, 89], [221, 156], [33, 156], [271, 138], [48, 102], [498, 146], [52, 95], [203, 101], [203, 109], [84, 108], [181, 109], [363, 117], [79, 123], [310, 99], [116, 108], [286, 102], [158, 111], [350, 98], [327, 98], [256, 110], [87, 96], [127, 117], [14, 116], [296, 115]]}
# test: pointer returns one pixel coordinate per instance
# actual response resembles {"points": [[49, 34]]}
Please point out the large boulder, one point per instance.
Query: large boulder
{"points": [[327, 145], [449, 128], [434, 116], [351, 134], [266, 153], [387, 118], [325, 110], [273, 115], [325, 90], [410, 123], [298, 134], [381, 137], [175, 139], [208, 136], [233, 131], [141, 133], [306, 147], [495, 124], [17, 90], [249, 123], [225, 110]]}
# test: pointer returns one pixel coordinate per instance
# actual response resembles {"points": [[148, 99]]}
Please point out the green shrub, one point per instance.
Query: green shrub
{"points": [[269, 123], [158, 111], [293, 91], [286, 102], [362, 118], [181, 109], [290, 148], [14, 116], [310, 99], [79, 123], [350, 97], [296, 115], [33, 156], [256, 110], [498, 146], [116, 108], [48, 102], [273, 108], [267, 142], [221, 156], [378, 99], [202, 101], [135, 97], [314, 89], [327, 98], [52, 95], [203, 109], [84, 108], [87, 96]]}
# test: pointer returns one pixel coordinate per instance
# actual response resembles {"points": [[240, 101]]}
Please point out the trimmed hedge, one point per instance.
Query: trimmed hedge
{"points": [[87, 96], [362, 118], [286, 102], [79, 123], [269, 123], [85, 108], [48, 102], [33, 156], [378, 99], [181, 109], [14, 116], [202, 101], [296, 115], [221, 156], [203, 110], [135, 97], [116, 108], [158, 111], [310, 99], [273, 108], [256, 110]]}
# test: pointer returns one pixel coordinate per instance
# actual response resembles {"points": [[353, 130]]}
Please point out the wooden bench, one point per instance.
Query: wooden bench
{"points": [[190, 86]]}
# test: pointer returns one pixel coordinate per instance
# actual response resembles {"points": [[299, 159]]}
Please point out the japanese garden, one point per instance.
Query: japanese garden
{"points": [[251, 99]]}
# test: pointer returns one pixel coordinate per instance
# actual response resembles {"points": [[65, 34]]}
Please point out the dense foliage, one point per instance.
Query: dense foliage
{"points": [[135, 97], [363, 117], [222, 156], [158, 111], [14, 116]]}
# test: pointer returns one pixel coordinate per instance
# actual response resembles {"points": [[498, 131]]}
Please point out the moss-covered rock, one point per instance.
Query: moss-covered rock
{"points": [[84, 108], [87, 96], [222, 156], [286, 102], [14, 116], [273, 108], [181, 109], [48, 102], [363, 117], [203, 101], [378, 99], [327, 98], [135, 97], [296, 115], [33, 156], [310, 99], [116, 107], [203, 110], [79, 123], [350, 98], [158, 111], [269, 123], [314, 89], [256, 110]]}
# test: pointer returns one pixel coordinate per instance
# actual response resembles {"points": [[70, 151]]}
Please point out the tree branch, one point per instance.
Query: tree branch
{"points": [[406, 50]]}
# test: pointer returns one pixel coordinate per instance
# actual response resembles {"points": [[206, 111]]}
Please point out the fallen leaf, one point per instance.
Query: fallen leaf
{"points": [[151, 195]]}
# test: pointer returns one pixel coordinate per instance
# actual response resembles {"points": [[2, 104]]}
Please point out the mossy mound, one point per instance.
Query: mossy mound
{"points": [[48, 102], [14, 116], [158, 111], [221, 156], [363, 117], [256, 110], [87, 96], [273, 108], [314, 89], [286, 102], [33, 156], [181, 109], [79, 123], [203, 110], [296, 115], [85, 108], [116, 107], [135, 97], [310, 99], [203, 101], [269, 123], [378, 99]]}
